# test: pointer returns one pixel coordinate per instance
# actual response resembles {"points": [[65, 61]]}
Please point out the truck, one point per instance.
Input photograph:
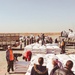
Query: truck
{"points": [[9, 39]]}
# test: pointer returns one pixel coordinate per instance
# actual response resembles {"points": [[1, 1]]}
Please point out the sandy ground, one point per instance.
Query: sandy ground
{"points": [[3, 63]]}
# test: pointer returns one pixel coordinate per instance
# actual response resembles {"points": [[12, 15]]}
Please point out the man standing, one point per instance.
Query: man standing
{"points": [[10, 59], [62, 46]]}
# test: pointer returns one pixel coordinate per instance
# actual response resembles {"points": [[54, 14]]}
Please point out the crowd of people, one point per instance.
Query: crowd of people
{"points": [[42, 39], [39, 69], [32, 39]]}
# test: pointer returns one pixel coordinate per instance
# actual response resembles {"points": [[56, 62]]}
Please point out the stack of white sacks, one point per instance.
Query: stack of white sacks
{"points": [[47, 48], [22, 66], [48, 61]]}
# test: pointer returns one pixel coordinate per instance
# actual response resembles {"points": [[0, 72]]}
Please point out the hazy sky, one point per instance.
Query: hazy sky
{"points": [[37, 15]]}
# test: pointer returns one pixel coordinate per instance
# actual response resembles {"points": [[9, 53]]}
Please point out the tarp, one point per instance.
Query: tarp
{"points": [[21, 66]]}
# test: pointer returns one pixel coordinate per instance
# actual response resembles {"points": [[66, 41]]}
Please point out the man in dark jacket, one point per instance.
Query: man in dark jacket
{"points": [[39, 69], [10, 59], [66, 70]]}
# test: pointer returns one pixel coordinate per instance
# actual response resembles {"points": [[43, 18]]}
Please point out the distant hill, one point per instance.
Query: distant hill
{"points": [[26, 34], [35, 34]]}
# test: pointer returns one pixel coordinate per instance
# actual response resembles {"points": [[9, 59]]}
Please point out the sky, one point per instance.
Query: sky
{"points": [[36, 15]]}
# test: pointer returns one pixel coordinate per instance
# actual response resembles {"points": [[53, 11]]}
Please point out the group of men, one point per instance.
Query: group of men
{"points": [[57, 70], [32, 39]]}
